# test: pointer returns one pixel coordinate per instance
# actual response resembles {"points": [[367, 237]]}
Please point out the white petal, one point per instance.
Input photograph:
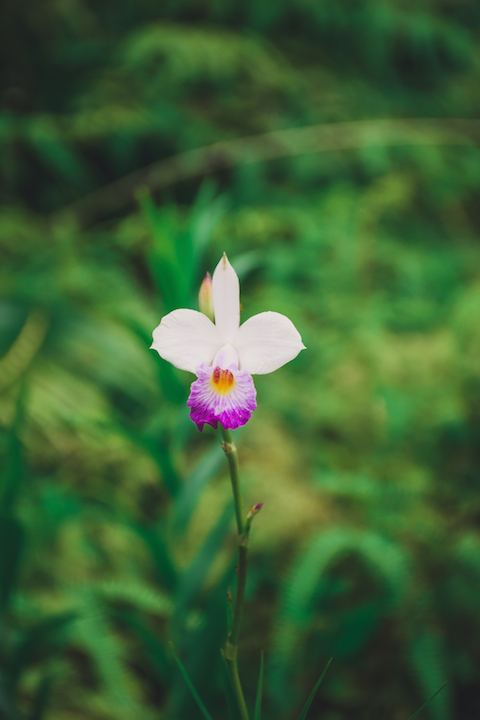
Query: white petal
{"points": [[267, 341], [226, 299], [226, 356], [186, 338]]}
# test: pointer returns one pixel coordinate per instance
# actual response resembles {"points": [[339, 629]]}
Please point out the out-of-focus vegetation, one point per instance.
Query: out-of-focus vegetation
{"points": [[115, 522]]}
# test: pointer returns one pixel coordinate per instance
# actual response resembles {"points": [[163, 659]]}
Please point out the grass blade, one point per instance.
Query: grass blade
{"points": [[428, 701], [194, 485], [306, 707], [195, 695], [258, 699], [193, 577]]}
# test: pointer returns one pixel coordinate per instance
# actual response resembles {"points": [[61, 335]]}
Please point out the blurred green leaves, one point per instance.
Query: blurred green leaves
{"points": [[331, 150]]}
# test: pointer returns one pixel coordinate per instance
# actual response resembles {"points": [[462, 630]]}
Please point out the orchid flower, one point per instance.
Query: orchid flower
{"points": [[224, 355]]}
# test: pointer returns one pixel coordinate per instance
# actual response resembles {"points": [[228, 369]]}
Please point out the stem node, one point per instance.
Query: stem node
{"points": [[230, 651], [243, 540]]}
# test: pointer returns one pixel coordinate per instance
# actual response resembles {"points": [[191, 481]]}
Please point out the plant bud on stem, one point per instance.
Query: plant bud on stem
{"points": [[205, 297], [254, 510]]}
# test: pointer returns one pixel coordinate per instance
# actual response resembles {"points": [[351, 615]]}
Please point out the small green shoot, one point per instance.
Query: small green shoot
{"points": [[428, 701], [196, 696], [258, 699], [306, 707]]}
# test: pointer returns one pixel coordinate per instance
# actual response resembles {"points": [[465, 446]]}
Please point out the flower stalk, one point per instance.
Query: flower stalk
{"points": [[243, 531]]}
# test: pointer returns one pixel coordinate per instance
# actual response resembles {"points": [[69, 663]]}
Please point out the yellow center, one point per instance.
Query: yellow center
{"points": [[222, 381]]}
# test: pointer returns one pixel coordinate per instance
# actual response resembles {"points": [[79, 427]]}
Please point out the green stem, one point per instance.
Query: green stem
{"points": [[242, 531], [232, 457]]}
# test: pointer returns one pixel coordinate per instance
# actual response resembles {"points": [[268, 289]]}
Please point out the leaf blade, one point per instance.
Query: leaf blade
{"points": [[195, 695], [258, 699], [306, 707], [428, 701]]}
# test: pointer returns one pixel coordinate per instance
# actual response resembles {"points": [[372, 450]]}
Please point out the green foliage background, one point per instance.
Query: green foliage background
{"points": [[354, 209]]}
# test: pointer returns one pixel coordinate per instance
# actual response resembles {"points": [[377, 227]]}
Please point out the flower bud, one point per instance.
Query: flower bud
{"points": [[205, 297], [254, 510]]}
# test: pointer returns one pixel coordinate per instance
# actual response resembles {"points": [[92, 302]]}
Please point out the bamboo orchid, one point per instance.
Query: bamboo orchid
{"points": [[224, 355]]}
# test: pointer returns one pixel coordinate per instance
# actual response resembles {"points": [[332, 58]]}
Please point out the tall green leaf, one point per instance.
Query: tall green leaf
{"points": [[309, 701], [195, 695], [258, 697]]}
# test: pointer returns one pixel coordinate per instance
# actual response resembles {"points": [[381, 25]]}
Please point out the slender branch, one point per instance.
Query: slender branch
{"points": [[267, 146], [243, 527]]}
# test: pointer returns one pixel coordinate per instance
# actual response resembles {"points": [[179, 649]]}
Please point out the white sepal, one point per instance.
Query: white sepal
{"points": [[226, 299]]}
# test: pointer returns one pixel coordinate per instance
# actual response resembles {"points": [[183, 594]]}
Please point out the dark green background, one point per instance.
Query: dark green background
{"points": [[116, 527]]}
